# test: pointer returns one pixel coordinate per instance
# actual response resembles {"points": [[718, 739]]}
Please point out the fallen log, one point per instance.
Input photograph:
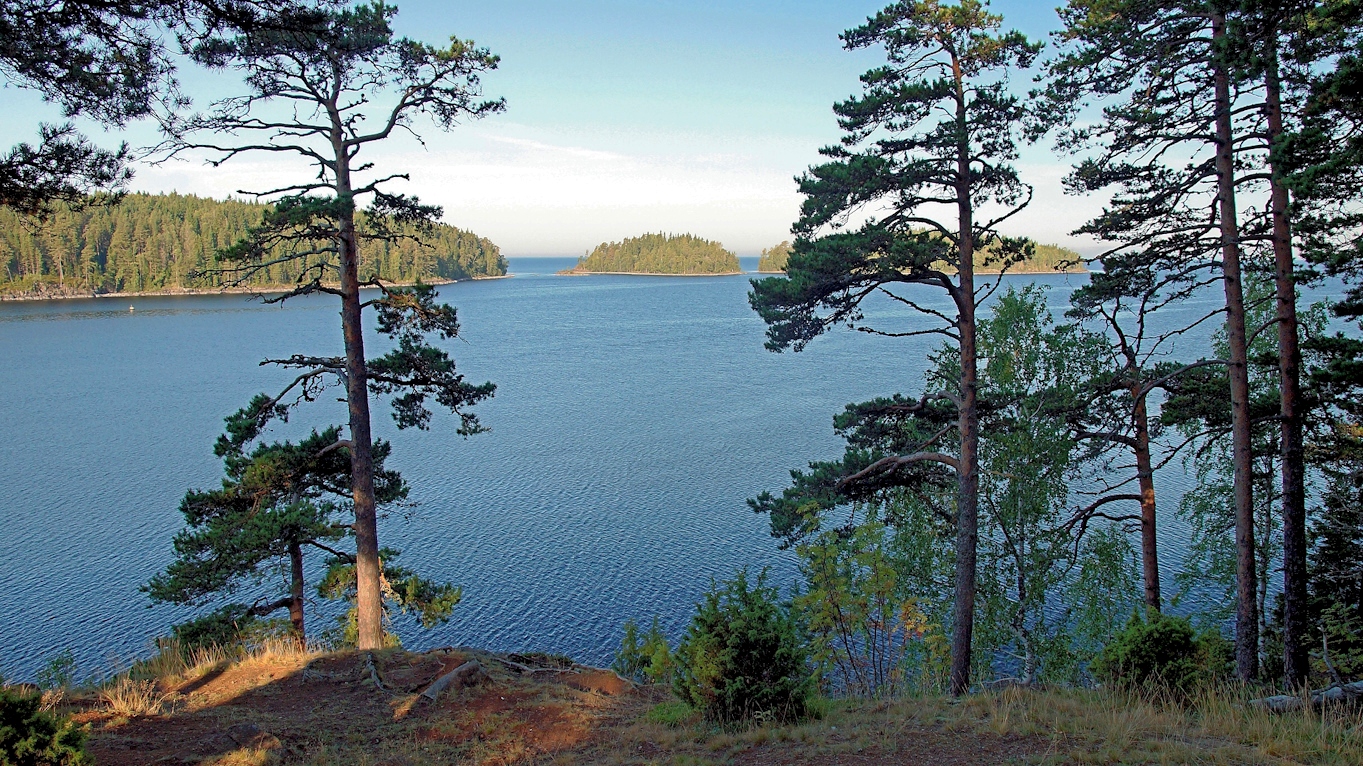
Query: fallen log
{"points": [[471, 673], [1339, 694]]}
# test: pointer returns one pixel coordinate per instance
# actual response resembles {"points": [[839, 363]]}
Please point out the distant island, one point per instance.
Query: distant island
{"points": [[1046, 259], [774, 258], [153, 243], [668, 254]]}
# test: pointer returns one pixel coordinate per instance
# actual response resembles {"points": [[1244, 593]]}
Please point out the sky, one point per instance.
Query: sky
{"points": [[622, 118]]}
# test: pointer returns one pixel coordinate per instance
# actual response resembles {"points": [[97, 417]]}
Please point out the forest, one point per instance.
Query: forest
{"points": [[169, 242], [659, 254]]}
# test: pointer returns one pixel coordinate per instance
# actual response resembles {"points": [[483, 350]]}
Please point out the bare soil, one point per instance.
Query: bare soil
{"points": [[297, 710]]}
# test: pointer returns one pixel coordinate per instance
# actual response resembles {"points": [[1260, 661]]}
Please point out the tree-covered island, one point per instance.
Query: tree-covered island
{"points": [[658, 254], [168, 243]]}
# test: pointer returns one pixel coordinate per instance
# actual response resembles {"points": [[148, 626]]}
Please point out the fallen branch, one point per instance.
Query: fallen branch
{"points": [[1335, 695], [525, 668], [471, 673]]}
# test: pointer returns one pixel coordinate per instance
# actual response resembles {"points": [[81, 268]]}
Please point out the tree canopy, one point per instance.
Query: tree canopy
{"points": [[111, 61], [923, 169]]}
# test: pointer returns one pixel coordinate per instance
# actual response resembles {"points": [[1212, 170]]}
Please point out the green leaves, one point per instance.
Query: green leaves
{"points": [[431, 602], [33, 737], [646, 658], [744, 655]]}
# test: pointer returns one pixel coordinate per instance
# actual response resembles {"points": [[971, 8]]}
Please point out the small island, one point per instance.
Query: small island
{"points": [[773, 260], [1046, 259], [658, 254]]}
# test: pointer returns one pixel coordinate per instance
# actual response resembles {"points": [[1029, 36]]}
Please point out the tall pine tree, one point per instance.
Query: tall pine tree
{"points": [[929, 143], [326, 78]]}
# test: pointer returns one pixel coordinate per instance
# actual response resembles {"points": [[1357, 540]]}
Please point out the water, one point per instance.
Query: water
{"points": [[633, 417]]}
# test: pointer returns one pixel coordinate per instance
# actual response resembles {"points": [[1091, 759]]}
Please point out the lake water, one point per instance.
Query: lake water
{"points": [[633, 417]]}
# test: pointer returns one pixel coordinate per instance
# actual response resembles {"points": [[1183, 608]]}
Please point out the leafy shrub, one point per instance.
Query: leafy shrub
{"points": [[1162, 652], [645, 659], [59, 672], [744, 655], [30, 736]]}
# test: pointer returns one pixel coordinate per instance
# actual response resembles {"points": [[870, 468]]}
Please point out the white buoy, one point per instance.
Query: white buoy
{"points": [[130, 309]]}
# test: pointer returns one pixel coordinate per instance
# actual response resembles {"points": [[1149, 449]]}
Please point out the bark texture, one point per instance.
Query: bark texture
{"points": [[1145, 477], [296, 592], [1246, 608], [368, 594], [1295, 664], [967, 469]]}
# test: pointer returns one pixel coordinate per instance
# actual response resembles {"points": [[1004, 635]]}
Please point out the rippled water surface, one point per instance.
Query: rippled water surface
{"points": [[633, 417]]}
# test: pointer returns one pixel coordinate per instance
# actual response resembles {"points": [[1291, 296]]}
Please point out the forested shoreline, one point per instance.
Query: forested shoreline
{"points": [[160, 244], [1044, 259]]}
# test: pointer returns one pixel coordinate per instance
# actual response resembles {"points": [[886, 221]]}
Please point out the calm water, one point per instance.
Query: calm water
{"points": [[633, 417]]}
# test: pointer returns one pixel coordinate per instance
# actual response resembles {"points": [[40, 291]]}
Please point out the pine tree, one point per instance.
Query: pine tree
{"points": [[1168, 143], [936, 125], [275, 500], [331, 71]]}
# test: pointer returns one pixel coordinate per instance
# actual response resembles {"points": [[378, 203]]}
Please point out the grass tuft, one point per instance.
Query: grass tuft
{"points": [[127, 697]]}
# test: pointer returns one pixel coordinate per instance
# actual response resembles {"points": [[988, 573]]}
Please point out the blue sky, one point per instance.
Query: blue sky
{"points": [[624, 117]]}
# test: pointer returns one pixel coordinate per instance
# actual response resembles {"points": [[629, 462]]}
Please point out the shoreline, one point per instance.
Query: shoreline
{"points": [[996, 273], [571, 273], [195, 291]]}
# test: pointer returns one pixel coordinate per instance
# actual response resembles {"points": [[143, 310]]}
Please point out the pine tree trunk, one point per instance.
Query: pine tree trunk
{"points": [[368, 595], [296, 592], [1246, 608], [1295, 662], [967, 471], [1145, 477]]}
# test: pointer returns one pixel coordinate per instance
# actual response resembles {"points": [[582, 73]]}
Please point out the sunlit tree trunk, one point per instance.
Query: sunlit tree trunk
{"points": [[369, 596], [296, 592], [1145, 478]]}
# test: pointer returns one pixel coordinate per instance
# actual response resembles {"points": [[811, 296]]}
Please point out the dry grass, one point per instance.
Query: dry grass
{"points": [[146, 687], [126, 697], [1217, 727], [337, 717], [1059, 726], [172, 663]]}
